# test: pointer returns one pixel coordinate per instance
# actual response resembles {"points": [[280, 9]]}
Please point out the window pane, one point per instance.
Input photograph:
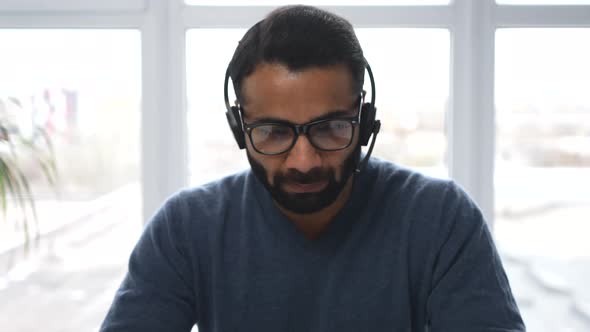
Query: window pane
{"points": [[80, 88], [543, 168], [213, 150], [411, 108], [317, 3], [411, 68]]}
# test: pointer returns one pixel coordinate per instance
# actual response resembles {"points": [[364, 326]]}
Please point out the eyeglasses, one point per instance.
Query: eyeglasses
{"points": [[272, 138]]}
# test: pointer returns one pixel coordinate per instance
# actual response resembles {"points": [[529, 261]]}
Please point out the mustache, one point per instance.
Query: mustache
{"points": [[312, 176]]}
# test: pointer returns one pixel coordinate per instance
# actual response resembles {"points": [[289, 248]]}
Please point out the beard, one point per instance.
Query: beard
{"points": [[305, 203]]}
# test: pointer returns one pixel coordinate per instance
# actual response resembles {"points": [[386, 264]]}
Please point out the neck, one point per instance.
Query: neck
{"points": [[313, 224]]}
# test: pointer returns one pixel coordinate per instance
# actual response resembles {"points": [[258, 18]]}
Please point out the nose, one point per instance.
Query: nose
{"points": [[303, 156]]}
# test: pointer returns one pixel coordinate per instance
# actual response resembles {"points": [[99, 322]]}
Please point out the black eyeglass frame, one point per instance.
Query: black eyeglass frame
{"points": [[299, 129]]}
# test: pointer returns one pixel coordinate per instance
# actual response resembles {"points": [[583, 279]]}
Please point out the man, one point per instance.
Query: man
{"points": [[314, 237]]}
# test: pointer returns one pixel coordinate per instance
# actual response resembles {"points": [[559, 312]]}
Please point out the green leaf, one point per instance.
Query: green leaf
{"points": [[3, 190], [28, 194], [14, 186], [12, 178]]}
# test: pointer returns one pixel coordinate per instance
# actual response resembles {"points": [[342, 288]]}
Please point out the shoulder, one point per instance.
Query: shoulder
{"points": [[408, 184], [199, 205], [214, 192], [211, 197], [432, 214], [439, 203]]}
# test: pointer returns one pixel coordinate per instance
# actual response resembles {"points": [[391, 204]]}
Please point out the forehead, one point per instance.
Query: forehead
{"points": [[274, 91]]}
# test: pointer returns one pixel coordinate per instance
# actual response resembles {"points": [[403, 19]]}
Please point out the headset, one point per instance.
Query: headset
{"points": [[368, 124]]}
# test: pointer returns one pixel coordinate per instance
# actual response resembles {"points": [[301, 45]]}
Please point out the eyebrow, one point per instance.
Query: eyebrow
{"points": [[328, 115]]}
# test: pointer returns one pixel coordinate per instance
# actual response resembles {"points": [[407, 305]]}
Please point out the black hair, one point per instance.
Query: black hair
{"points": [[299, 37]]}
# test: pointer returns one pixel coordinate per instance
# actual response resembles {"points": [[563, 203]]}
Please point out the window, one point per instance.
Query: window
{"points": [[81, 88], [539, 161], [412, 74], [213, 151], [543, 156]]}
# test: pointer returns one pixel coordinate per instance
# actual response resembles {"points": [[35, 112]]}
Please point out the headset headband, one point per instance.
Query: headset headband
{"points": [[227, 76]]}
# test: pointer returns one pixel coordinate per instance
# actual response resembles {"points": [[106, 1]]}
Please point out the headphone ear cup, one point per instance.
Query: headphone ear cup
{"points": [[235, 124], [367, 123]]}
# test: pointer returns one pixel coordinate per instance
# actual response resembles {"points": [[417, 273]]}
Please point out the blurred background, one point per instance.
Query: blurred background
{"points": [[123, 100]]}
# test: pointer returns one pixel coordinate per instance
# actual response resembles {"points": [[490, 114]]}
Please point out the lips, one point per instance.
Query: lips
{"points": [[300, 188]]}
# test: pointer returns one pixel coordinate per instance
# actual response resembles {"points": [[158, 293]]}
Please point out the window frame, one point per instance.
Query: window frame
{"points": [[72, 6], [163, 26]]}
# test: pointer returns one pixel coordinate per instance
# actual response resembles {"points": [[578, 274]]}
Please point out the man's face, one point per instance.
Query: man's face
{"points": [[303, 179]]}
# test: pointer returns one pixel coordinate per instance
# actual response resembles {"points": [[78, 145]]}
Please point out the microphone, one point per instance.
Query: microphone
{"points": [[362, 163]]}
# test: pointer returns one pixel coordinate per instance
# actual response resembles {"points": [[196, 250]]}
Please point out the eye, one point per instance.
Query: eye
{"points": [[279, 132], [323, 127], [332, 127], [339, 125], [271, 132]]}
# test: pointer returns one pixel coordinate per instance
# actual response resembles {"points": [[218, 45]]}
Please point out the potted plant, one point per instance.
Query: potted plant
{"points": [[22, 141]]}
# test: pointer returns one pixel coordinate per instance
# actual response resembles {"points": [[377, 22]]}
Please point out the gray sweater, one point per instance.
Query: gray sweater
{"points": [[406, 253]]}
